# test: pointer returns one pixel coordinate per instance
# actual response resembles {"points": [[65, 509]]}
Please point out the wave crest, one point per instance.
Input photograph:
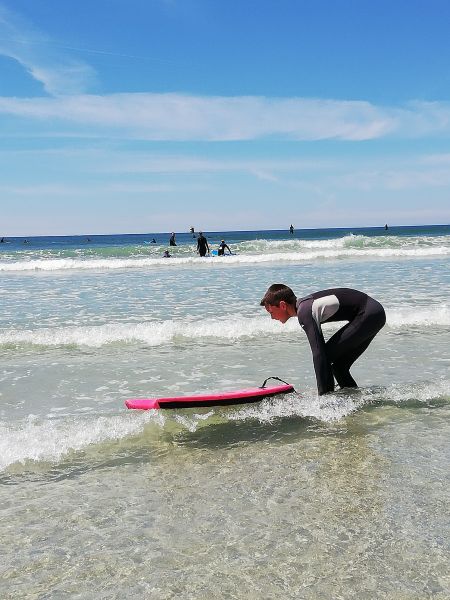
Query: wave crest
{"points": [[246, 252], [36, 440], [160, 333]]}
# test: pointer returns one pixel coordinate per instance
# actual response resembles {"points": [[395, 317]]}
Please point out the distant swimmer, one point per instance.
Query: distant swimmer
{"points": [[386, 227], [167, 254], [291, 229], [332, 359], [2, 241], [153, 241], [221, 249], [172, 241], [202, 244]]}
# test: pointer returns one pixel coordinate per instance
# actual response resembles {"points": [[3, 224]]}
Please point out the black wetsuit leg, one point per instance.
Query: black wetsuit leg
{"points": [[347, 344]]}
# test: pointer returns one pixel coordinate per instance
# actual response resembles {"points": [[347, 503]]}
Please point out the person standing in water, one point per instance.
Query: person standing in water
{"points": [[221, 249], [291, 229], [332, 359], [202, 244], [172, 241]]}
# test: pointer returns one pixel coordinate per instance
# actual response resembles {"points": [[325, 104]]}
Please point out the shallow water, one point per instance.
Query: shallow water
{"points": [[343, 496]]}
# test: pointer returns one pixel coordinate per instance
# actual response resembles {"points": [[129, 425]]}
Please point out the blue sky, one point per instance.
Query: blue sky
{"points": [[157, 115]]}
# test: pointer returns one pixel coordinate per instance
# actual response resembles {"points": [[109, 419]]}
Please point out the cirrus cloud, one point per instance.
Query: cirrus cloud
{"points": [[57, 72], [185, 117]]}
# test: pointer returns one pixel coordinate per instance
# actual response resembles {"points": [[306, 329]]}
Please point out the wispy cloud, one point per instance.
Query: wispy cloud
{"points": [[184, 117], [437, 159], [137, 171], [395, 179], [59, 74]]}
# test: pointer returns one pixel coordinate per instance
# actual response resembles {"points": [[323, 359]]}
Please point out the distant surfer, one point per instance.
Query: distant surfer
{"points": [[202, 244], [291, 229], [153, 241], [332, 359], [2, 241], [172, 241], [221, 249]]}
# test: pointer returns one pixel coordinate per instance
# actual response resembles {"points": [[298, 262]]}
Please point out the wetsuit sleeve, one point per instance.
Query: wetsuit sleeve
{"points": [[322, 366]]}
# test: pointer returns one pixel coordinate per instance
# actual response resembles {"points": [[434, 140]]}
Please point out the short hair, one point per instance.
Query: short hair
{"points": [[278, 292]]}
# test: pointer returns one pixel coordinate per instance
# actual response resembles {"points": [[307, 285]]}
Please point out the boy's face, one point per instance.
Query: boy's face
{"points": [[278, 313]]}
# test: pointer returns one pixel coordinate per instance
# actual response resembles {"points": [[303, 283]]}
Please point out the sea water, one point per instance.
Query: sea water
{"points": [[342, 496]]}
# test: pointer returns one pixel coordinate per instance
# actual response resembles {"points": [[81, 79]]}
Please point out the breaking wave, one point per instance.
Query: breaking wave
{"points": [[248, 252], [35, 440], [158, 333]]}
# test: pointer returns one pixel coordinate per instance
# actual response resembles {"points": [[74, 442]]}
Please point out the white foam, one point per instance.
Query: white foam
{"points": [[51, 440], [401, 393], [263, 245], [333, 407], [39, 440], [158, 333], [151, 333], [329, 408], [434, 316], [329, 250]]}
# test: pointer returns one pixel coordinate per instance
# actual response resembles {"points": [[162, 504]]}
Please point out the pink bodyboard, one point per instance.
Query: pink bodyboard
{"points": [[219, 399]]}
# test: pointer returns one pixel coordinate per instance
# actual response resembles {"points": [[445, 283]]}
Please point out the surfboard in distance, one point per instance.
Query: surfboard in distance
{"points": [[218, 399], [215, 253]]}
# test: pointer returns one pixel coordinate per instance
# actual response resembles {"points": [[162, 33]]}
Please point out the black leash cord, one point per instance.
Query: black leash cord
{"points": [[277, 378]]}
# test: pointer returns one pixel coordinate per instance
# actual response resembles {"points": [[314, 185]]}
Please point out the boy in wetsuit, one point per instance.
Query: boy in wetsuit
{"points": [[221, 249], [332, 359]]}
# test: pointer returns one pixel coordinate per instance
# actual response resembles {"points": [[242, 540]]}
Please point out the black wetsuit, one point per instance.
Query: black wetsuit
{"points": [[202, 245], [221, 250], [365, 318]]}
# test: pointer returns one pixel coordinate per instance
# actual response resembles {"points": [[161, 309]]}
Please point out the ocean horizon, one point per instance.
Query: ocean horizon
{"points": [[297, 231]]}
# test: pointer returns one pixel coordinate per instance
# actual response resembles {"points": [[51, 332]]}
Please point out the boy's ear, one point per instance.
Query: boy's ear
{"points": [[282, 305]]}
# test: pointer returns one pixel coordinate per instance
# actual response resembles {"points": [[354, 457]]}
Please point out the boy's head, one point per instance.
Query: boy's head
{"points": [[280, 302]]}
